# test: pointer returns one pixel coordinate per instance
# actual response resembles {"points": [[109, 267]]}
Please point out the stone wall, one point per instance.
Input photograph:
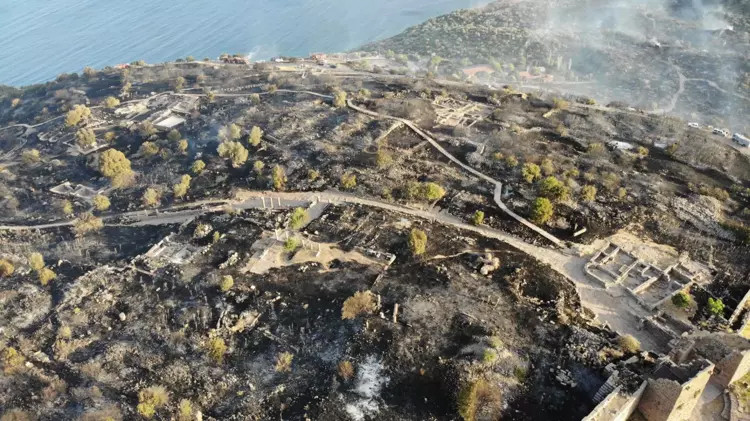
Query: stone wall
{"points": [[667, 400], [732, 368]]}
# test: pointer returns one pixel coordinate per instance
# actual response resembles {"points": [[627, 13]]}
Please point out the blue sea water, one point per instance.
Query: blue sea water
{"points": [[40, 39]]}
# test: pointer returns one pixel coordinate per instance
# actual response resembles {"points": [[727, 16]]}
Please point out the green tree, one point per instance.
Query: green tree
{"points": [[180, 189], [682, 300], [150, 399], [256, 134], [198, 167], [85, 138], [541, 210], [348, 181], [477, 218], [278, 175], [111, 102], [147, 129], [553, 189], [217, 349], [432, 191], [231, 132], [182, 146], [151, 197], [531, 172], [417, 242], [79, 114], [36, 261], [101, 202], [715, 306], [226, 283], [113, 163], [234, 151], [258, 167], [298, 219], [46, 275]]}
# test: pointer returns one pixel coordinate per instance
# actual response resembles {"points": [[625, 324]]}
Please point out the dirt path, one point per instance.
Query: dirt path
{"points": [[498, 186]]}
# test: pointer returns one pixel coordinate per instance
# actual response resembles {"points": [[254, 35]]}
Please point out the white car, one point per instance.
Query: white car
{"points": [[694, 125], [721, 132]]}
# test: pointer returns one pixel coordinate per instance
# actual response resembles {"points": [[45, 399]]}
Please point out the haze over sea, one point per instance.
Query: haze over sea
{"points": [[40, 39]]}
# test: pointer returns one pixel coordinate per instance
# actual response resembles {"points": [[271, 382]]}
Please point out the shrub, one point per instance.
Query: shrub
{"points": [[234, 151], [66, 207], [489, 356], [610, 181], [588, 193], [432, 191], [45, 275], [85, 138], [291, 244], [6, 268], [17, 415], [477, 218], [511, 161], [113, 163], [258, 167], [629, 344], [547, 167], [313, 175], [256, 134], [715, 306], [180, 189], [346, 370], [495, 342], [553, 189], [111, 102], [348, 181], [596, 149], [642, 152], [475, 395], [101, 202], [87, 223], [217, 349], [682, 300], [339, 98], [179, 83], [150, 399], [541, 210], [148, 149], [383, 158], [255, 99], [560, 104], [298, 219], [622, 193], [12, 359], [30, 156], [278, 176], [147, 129], [362, 302], [174, 135], [284, 362], [226, 283], [185, 411], [198, 167], [531, 172], [151, 197], [36, 261], [417, 242]]}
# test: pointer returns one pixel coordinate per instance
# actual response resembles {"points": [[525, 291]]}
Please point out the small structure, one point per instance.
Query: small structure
{"points": [[168, 251], [729, 352], [79, 191], [674, 390], [170, 122]]}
